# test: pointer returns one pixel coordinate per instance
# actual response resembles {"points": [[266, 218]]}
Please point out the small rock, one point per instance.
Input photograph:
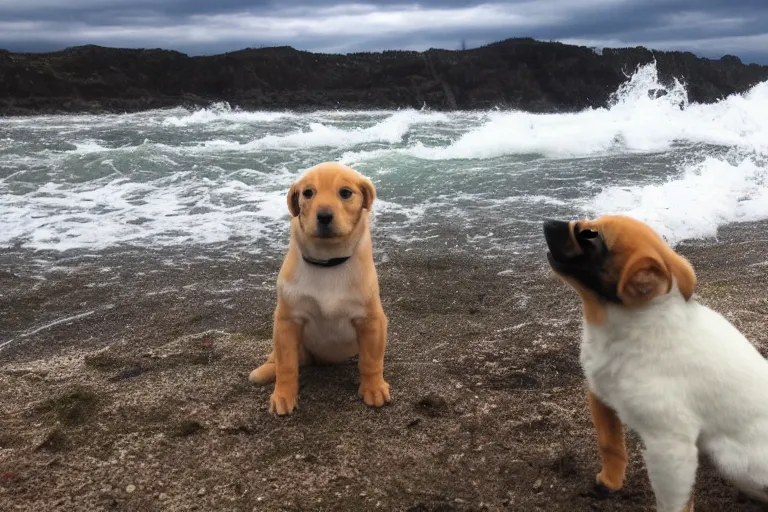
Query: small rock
{"points": [[162, 496], [432, 405], [130, 488], [201, 492], [537, 485]]}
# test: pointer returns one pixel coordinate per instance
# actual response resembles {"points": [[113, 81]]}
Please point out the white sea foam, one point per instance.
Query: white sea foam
{"points": [[173, 210], [219, 175], [168, 211], [705, 196], [390, 130], [645, 116], [222, 113], [637, 122], [88, 147]]}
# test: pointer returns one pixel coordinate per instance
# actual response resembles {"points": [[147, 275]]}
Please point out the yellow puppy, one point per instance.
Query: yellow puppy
{"points": [[328, 304]]}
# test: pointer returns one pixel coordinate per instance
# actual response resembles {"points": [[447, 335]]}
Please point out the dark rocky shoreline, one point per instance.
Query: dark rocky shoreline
{"points": [[516, 73]]}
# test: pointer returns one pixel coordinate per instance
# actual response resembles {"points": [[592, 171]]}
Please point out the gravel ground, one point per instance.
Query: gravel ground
{"points": [[123, 386]]}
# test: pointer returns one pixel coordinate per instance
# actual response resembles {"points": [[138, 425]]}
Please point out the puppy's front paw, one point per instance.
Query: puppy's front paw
{"points": [[607, 484], [282, 402], [375, 392]]}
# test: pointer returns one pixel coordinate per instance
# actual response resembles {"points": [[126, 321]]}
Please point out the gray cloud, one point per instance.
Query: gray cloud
{"points": [[706, 27]]}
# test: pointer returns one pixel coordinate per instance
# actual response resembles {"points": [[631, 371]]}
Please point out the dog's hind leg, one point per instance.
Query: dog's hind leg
{"points": [[672, 464], [266, 373]]}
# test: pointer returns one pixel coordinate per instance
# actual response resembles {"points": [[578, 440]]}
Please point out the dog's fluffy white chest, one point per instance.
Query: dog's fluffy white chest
{"points": [[327, 301], [637, 361]]}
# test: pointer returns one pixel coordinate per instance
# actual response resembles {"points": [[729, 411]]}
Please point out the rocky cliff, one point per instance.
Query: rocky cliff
{"points": [[516, 73]]}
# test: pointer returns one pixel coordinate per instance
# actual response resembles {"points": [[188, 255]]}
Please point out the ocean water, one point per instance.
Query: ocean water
{"points": [[481, 181]]}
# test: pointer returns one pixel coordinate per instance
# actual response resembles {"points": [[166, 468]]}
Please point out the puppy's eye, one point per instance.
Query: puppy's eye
{"points": [[588, 234], [308, 193], [345, 193]]}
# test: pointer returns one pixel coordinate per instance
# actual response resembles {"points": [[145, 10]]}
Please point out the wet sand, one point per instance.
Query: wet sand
{"points": [[123, 386]]}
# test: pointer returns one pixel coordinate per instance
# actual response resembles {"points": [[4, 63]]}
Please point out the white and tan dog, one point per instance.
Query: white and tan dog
{"points": [[328, 304], [673, 370]]}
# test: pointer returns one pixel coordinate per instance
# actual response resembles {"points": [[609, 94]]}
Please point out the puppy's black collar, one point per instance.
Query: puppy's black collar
{"points": [[333, 262]]}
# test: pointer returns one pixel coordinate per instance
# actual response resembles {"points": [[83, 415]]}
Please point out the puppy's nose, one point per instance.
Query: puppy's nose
{"points": [[558, 236], [324, 217], [554, 229]]}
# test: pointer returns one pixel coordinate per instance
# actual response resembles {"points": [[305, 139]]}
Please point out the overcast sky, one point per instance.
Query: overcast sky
{"points": [[708, 28]]}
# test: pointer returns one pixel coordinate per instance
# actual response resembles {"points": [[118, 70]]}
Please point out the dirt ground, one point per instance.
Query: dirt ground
{"points": [[123, 386]]}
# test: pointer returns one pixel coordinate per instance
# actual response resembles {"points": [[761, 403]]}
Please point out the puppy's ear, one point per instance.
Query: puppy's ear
{"points": [[369, 193], [643, 278], [682, 270], [293, 200]]}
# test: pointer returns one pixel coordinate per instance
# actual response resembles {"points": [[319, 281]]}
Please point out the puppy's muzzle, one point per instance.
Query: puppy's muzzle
{"points": [[559, 240]]}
